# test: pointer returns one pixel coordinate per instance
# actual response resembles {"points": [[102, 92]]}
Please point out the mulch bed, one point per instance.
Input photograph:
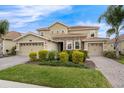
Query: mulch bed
{"points": [[90, 64]]}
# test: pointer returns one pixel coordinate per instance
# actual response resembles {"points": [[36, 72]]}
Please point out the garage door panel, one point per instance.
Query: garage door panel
{"points": [[95, 49], [28, 48]]}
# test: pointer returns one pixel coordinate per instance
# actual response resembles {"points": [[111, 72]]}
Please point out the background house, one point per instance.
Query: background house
{"points": [[7, 42]]}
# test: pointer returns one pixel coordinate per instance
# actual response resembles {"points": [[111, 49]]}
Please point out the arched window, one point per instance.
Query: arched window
{"points": [[92, 35]]}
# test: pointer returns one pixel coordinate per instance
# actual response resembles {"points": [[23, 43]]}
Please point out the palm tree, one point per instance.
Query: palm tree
{"points": [[114, 17], [4, 27]]}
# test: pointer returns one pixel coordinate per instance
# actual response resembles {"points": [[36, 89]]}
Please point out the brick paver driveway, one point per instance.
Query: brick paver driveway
{"points": [[112, 70], [12, 61]]}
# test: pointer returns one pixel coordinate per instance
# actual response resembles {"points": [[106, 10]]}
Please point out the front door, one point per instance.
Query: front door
{"points": [[60, 46]]}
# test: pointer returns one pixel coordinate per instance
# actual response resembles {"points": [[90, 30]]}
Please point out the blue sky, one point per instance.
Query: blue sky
{"points": [[29, 18]]}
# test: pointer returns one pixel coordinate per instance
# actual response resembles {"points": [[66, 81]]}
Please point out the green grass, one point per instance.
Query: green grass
{"points": [[121, 59], [55, 76]]}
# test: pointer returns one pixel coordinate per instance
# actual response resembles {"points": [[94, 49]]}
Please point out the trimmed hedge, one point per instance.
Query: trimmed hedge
{"points": [[77, 57], [64, 57], [71, 51], [33, 56], [43, 54], [51, 55]]}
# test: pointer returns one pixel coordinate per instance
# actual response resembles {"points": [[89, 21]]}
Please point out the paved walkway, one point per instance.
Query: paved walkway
{"points": [[12, 61], [112, 70], [11, 84]]}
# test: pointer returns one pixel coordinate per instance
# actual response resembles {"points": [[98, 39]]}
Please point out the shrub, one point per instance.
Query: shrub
{"points": [[33, 56], [77, 57], [13, 50], [85, 54], [69, 53], [109, 54], [63, 56], [51, 55], [43, 55]]}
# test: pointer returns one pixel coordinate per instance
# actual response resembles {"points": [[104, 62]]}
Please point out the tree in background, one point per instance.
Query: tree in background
{"points": [[114, 17], [4, 27]]}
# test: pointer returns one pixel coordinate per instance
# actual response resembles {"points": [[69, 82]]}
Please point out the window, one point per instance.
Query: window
{"points": [[69, 46], [77, 44], [92, 35], [30, 40], [62, 31], [41, 33], [57, 31]]}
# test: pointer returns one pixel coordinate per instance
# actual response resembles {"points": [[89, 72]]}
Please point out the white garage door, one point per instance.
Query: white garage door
{"points": [[26, 48], [95, 49]]}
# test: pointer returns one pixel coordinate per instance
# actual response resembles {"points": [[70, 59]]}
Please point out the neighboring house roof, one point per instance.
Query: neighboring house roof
{"points": [[12, 35], [31, 33], [71, 28], [121, 37], [96, 39]]}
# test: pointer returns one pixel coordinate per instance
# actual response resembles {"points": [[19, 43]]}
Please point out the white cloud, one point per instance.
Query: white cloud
{"points": [[22, 15], [103, 27]]}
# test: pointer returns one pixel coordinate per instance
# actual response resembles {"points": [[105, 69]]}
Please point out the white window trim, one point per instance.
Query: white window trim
{"points": [[69, 42], [79, 44]]}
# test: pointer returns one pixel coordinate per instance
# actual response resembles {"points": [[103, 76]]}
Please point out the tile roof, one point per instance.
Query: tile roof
{"points": [[71, 28], [96, 39], [12, 35], [69, 35]]}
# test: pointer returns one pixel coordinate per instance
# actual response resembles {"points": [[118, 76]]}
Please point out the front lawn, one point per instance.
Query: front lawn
{"points": [[55, 76], [121, 59]]}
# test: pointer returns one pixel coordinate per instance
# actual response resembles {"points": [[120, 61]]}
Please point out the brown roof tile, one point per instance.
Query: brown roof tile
{"points": [[12, 35], [121, 37], [71, 28]]}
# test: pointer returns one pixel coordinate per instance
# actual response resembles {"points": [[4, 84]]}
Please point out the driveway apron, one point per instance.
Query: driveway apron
{"points": [[12, 61], [111, 69]]}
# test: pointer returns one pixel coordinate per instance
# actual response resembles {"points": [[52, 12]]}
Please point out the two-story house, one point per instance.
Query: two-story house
{"points": [[62, 37]]}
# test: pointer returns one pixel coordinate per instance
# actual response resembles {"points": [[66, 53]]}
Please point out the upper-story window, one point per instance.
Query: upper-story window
{"points": [[57, 31], [92, 35], [41, 33], [62, 31]]}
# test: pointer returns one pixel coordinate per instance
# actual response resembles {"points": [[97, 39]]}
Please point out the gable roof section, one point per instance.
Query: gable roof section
{"points": [[34, 34], [12, 35], [57, 23], [71, 28]]}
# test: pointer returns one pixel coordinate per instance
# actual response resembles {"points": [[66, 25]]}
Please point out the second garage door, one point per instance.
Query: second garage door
{"points": [[26, 48], [95, 49]]}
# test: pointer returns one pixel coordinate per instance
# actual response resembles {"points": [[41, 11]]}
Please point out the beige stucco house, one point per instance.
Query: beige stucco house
{"points": [[60, 37], [6, 42]]}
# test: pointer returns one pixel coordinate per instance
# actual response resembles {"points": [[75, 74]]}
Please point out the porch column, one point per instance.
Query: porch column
{"points": [[86, 46]]}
